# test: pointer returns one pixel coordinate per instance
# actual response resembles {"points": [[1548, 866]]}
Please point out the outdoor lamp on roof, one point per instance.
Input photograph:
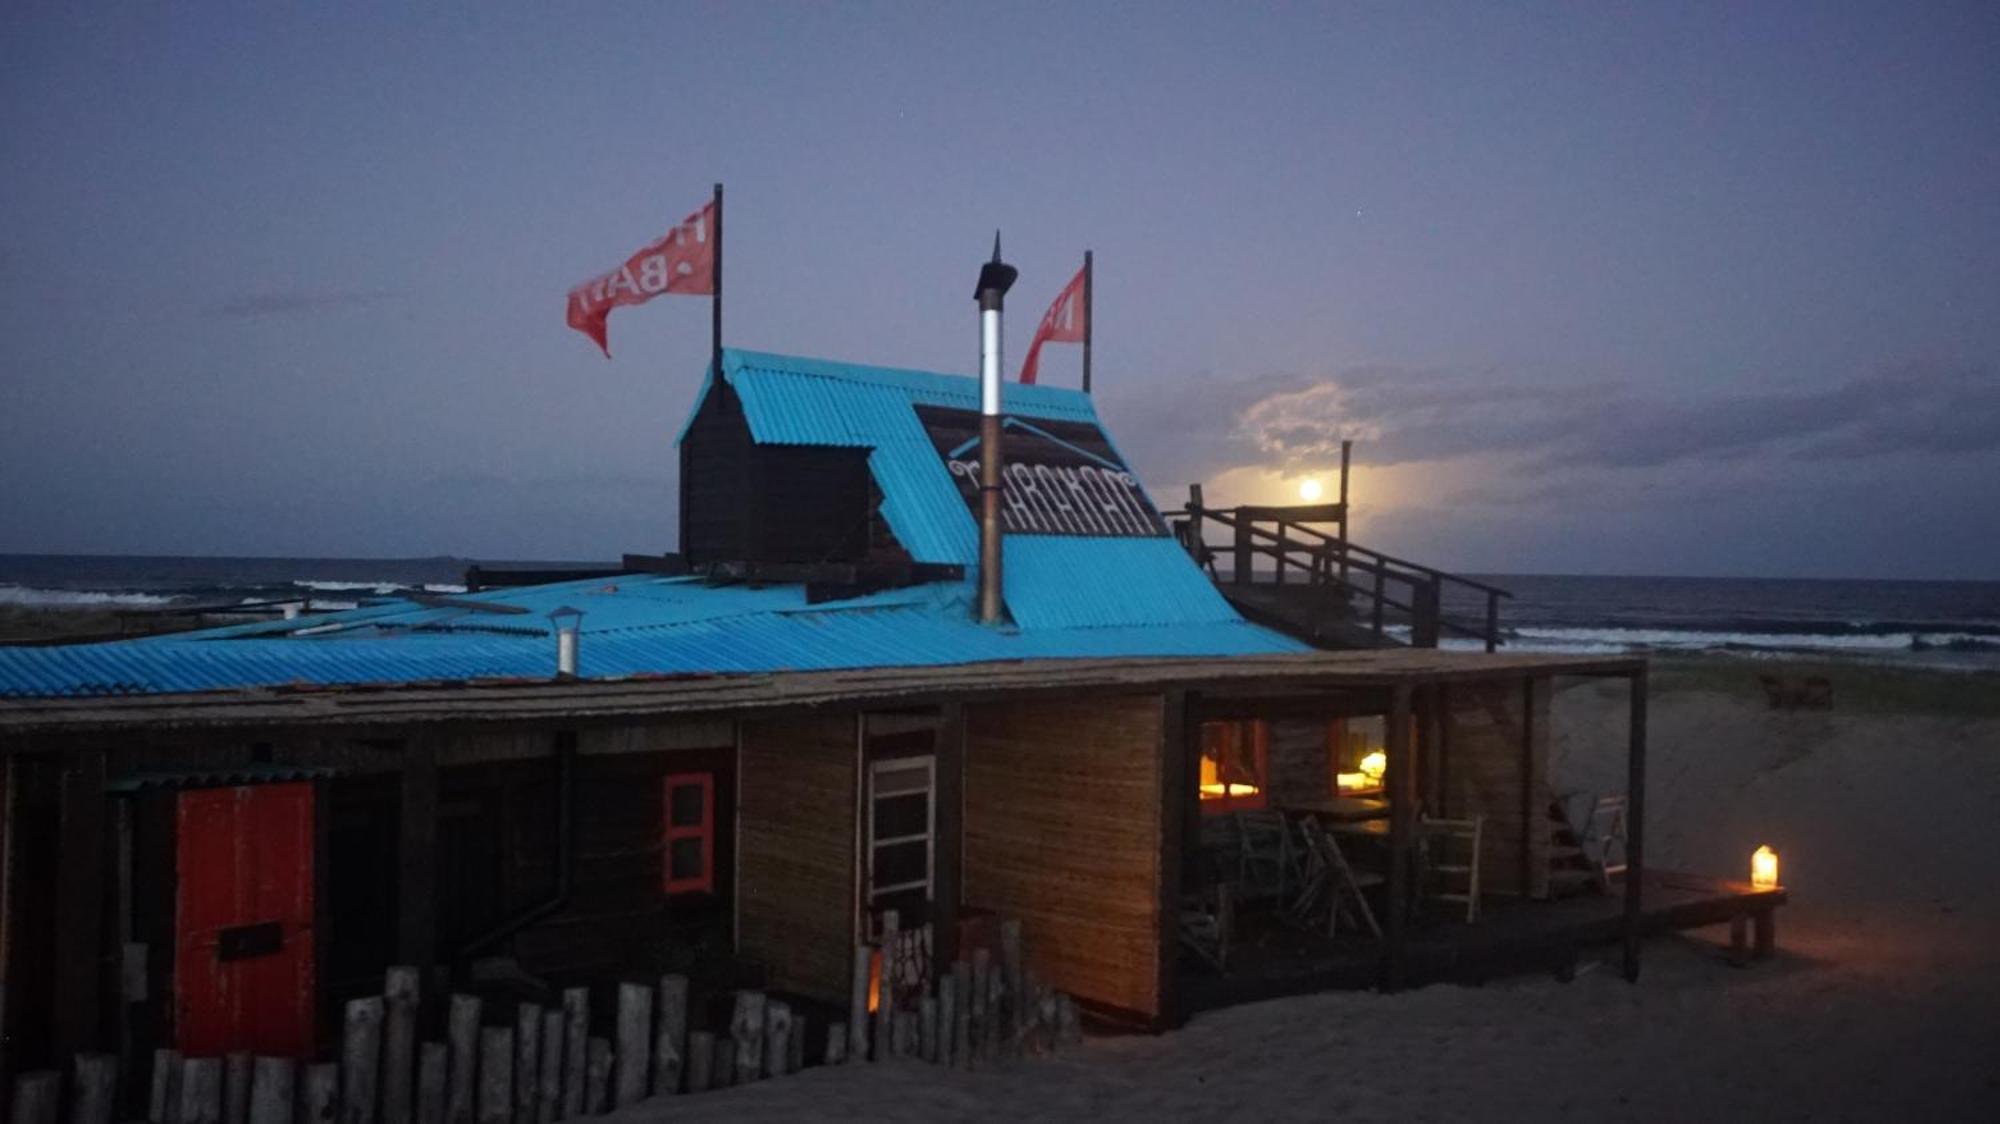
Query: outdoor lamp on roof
{"points": [[568, 623]]}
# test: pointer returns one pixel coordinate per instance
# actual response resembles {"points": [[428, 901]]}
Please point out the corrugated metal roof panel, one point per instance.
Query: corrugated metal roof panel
{"points": [[929, 625], [790, 400], [1060, 582]]}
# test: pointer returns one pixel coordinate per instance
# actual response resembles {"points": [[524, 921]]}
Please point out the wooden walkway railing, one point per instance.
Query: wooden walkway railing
{"points": [[1303, 555]]}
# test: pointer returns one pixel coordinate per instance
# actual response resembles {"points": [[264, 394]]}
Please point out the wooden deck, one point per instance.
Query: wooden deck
{"points": [[1510, 938]]}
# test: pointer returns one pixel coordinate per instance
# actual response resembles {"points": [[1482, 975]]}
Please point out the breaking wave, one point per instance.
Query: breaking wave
{"points": [[30, 596]]}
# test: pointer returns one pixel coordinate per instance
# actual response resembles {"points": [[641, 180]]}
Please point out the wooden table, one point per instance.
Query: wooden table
{"points": [[1344, 809]]}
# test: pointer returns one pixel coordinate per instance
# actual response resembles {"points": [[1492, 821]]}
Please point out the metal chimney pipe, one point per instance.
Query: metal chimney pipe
{"points": [[995, 278], [568, 624]]}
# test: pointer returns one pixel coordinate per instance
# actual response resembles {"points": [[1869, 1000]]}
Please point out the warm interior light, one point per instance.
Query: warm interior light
{"points": [[1348, 782], [874, 980], [1233, 788], [1764, 869], [1309, 489], [1374, 765]]}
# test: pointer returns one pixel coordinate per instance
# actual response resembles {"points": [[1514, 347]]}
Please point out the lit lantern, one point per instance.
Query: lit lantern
{"points": [[1764, 869], [1374, 765]]}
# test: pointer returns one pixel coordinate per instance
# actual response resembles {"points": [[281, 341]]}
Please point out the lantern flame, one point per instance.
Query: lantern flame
{"points": [[1764, 869]]}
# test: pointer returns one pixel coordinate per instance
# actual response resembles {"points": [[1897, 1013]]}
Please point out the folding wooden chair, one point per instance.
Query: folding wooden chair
{"points": [[1333, 881], [1452, 850]]}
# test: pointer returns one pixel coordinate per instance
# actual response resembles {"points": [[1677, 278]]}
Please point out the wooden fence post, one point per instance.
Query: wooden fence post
{"points": [[982, 1000], [635, 1042], [857, 1002], [37, 1097], [433, 1080], [462, 1034], [95, 1096], [795, 1058], [527, 1062], [399, 1043], [777, 1037], [836, 1045], [670, 1041], [273, 1090], [201, 1091], [360, 1059], [885, 987], [746, 1027], [947, 1015], [576, 1039], [165, 1104], [1010, 952], [927, 1028], [597, 1078], [321, 1102], [700, 1060], [961, 996], [549, 1108], [236, 1088], [722, 1069], [496, 1075]]}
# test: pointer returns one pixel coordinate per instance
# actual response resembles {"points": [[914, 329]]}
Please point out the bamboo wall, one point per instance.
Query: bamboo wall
{"points": [[1062, 830], [795, 864], [1485, 774]]}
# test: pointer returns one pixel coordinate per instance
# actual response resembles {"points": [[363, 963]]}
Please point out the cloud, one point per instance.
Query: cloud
{"points": [[293, 302], [1405, 415]]}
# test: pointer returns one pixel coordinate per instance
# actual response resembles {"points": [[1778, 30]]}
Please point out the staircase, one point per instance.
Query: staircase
{"points": [[1293, 569]]}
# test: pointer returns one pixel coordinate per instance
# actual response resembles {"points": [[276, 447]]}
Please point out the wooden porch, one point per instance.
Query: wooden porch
{"points": [[1512, 936]]}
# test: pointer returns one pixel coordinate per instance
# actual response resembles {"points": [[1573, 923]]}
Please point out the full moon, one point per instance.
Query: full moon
{"points": [[1309, 489]]}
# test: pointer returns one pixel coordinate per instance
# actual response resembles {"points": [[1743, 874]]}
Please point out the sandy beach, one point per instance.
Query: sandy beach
{"points": [[1883, 1002]]}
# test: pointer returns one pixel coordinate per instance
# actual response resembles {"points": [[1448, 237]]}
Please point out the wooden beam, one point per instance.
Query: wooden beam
{"points": [[1180, 762], [1635, 825], [79, 904], [947, 887], [1527, 807], [417, 862], [1400, 782]]}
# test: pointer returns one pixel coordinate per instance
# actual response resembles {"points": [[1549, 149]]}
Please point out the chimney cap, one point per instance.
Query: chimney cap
{"points": [[995, 276]]}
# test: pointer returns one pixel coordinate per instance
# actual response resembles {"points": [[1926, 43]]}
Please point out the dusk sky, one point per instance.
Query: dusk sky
{"points": [[1654, 289]]}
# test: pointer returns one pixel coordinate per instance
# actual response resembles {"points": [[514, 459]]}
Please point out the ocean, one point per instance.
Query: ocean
{"points": [[1943, 624]]}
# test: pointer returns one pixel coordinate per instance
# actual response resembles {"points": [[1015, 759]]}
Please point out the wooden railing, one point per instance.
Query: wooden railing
{"points": [[1303, 554]]}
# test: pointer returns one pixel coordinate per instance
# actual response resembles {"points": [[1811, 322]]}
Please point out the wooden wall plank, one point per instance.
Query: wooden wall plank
{"points": [[795, 865], [1063, 830]]}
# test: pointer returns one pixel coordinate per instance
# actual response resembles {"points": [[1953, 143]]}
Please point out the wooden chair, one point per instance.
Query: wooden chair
{"points": [[1331, 880], [1451, 850], [1267, 862], [1206, 924], [1603, 834]]}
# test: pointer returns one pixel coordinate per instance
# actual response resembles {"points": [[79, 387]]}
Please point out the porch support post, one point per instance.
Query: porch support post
{"points": [[416, 879], [1635, 825], [79, 904], [949, 885], [1180, 761], [1402, 791]]}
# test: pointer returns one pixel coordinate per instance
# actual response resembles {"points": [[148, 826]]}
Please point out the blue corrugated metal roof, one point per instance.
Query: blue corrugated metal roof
{"points": [[1068, 596], [649, 626], [790, 400]]}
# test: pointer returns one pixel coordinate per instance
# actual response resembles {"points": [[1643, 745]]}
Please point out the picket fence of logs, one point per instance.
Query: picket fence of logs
{"points": [[545, 1066]]}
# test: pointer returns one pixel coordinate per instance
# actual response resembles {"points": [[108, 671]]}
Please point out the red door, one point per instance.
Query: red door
{"points": [[243, 946]]}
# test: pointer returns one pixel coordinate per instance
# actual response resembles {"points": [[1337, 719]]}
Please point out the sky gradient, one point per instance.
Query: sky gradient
{"points": [[1680, 289]]}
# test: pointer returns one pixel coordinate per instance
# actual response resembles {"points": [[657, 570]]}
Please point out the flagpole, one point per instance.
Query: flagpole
{"points": [[1089, 320], [715, 306]]}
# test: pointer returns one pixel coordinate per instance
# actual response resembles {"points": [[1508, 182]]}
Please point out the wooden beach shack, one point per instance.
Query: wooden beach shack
{"points": [[767, 744]]}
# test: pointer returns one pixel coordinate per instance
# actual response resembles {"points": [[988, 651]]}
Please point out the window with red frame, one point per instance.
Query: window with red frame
{"points": [[1234, 765], [689, 867]]}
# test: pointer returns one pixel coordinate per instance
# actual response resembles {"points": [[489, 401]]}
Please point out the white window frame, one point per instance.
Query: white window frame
{"points": [[900, 764]]}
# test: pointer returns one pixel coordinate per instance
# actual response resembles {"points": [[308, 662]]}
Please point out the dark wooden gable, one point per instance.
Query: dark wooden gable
{"points": [[745, 502]]}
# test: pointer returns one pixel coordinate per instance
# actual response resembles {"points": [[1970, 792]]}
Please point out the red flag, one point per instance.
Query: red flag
{"points": [[681, 262], [1064, 322]]}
